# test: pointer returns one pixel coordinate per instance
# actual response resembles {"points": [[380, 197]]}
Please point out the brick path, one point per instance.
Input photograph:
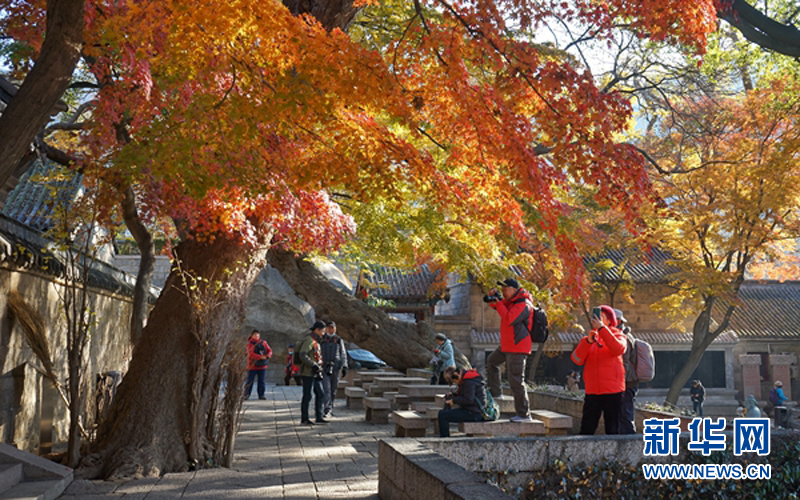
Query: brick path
{"points": [[276, 457]]}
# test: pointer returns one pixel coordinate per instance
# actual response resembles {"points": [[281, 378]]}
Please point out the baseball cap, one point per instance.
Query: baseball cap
{"points": [[510, 282]]}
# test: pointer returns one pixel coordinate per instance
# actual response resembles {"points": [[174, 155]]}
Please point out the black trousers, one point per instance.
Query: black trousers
{"points": [[607, 405]]}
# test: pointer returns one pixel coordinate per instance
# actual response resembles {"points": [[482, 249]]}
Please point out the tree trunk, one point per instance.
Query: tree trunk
{"points": [[533, 363], [31, 108], [703, 337], [157, 423], [402, 345], [147, 264]]}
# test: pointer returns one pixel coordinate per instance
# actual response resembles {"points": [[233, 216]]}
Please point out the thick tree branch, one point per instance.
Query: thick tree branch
{"points": [[30, 109], [761, 29], [147, 264]]}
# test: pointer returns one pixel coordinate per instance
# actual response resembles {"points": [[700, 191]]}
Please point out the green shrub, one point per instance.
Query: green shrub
{"points": [[564, 480]]}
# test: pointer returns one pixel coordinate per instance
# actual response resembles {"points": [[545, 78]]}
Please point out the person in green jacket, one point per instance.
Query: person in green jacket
{"points": [[311, 375]]}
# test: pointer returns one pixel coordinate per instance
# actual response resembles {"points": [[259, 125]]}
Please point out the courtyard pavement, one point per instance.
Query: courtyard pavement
{"points": [[275, 457]]}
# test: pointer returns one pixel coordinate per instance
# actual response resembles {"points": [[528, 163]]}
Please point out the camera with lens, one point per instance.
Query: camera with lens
{"points": [[493, 297]]}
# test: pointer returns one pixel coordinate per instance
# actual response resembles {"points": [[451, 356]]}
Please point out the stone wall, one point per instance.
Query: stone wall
{"points": [[130, 264], [23, 390], [408, 470]]}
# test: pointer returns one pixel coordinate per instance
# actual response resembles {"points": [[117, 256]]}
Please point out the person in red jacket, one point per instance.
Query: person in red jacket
{"points": [[258, 354], [600, 353], [515, 308]]}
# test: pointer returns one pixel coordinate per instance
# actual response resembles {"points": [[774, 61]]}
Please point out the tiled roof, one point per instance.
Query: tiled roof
{"points": [[766, 309], [22, 247], [640, 266], [31, 200], [405, 286], [654, 338]]}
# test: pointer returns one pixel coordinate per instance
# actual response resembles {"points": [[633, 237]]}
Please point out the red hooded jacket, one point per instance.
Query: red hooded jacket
{"points": [[516, 321], [604, 371], [258, 354]]}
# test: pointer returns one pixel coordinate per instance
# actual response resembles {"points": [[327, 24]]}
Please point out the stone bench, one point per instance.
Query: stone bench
{"points": [[419, 372], [377, 410], [340, 389], [390, 396], [423, 392], [409, 424], [422, 406], [355, 397], [556, 424], [369, 376], [433, 415], [503, 428], [401, 401], [388, 383]]}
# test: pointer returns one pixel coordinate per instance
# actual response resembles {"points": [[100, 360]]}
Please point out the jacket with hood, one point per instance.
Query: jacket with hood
{"points": [[471, 392], [516, 321], [446, 354], [603, 369], [258, 354]]}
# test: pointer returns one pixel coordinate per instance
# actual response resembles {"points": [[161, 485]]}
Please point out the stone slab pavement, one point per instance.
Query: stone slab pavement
{"points": [[275, 457]]}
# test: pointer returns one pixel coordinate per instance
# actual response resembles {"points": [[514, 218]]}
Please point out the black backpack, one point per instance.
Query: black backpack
{"points": [[539, 330]]}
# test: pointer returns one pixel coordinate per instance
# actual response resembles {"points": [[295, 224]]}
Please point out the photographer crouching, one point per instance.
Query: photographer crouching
{"points": [[470, 396]]}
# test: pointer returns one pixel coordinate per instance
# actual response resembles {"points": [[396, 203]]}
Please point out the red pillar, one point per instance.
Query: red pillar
{"points": [[751, 375]]}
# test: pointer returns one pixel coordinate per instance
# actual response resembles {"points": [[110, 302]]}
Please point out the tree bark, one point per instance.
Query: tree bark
{"points": [[702, 338], [147, 264], [402, 345], [158, 421], [762, 30], [30, 109]]}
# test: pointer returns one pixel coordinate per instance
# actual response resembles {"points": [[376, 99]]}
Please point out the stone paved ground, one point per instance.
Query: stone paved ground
{"points": [[276, 457]]}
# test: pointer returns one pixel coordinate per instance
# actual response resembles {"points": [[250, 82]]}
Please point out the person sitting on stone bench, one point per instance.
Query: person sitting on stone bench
{"points": [[470, 396]]}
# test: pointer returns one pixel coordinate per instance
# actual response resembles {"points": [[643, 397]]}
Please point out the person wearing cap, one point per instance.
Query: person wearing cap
{"points": [[515, 308], [627, 415], [600, 354], [444, 352], [334, 360], [292, 370], [697, 393], [258, 355], [311, 375]]}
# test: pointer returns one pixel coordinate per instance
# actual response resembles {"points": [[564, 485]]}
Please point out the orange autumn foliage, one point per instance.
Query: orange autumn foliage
{"points": [[224, 103]]}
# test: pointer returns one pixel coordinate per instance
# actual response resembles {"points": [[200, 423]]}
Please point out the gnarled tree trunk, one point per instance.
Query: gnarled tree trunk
{"points": [[402, 345], [159, 420]]}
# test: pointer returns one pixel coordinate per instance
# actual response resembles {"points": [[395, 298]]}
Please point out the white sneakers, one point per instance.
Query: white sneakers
{"points": [[517, 418]]}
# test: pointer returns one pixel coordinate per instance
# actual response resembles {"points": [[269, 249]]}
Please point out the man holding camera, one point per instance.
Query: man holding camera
{"points": [[334, 359], [311, 374], [515, 308]]}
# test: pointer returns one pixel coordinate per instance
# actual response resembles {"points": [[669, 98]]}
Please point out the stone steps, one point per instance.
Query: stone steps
{"points": [[24, 476], [10, 476]]}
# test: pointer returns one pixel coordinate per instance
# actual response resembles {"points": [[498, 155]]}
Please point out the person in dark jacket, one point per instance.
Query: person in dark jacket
{"points": [[258, 354], [334, 360], [627, 415], [292, 370], [470, 396], [515, 308], [698, 395], [311, 375], [600, 353]]}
